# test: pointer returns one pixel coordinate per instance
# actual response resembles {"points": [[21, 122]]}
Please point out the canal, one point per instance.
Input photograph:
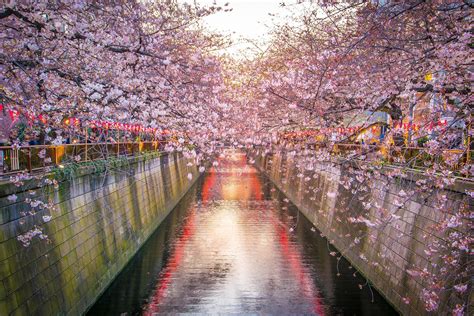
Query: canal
{"points": [[236, 245]]}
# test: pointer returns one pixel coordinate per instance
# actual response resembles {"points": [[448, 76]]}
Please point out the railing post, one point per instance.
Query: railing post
{"points": [[2, 160], [468, 145], [389, 153], [29, 160], [118, 143], [15, 158], [87, 139]]}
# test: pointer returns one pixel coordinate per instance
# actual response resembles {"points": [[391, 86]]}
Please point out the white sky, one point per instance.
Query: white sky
{"points": [[249, 19]]}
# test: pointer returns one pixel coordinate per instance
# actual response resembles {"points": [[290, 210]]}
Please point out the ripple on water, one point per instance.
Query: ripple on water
{"points": [[237, 246]]}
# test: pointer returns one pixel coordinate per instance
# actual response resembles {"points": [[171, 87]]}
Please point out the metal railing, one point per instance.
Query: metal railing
{"points": [[36, 157], [29, 158], [413, 157]]}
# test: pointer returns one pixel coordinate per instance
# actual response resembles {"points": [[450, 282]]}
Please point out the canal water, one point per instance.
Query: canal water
{"points": [[236, 245]]}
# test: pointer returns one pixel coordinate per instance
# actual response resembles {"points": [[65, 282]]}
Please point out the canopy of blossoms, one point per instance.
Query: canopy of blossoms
{"points": [[133, 62], [151, 64]]}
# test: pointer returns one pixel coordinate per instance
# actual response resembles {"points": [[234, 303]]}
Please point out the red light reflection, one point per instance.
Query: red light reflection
{"points": [[250, 190]]}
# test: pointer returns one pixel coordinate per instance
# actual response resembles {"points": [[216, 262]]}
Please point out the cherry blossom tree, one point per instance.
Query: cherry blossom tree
{"points": [[152, 62], [356, 56], [124, 61], [343, 58]]}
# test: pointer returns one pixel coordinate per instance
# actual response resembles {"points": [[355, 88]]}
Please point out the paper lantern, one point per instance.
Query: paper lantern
{"points": [[42, 119], [14, 114]]}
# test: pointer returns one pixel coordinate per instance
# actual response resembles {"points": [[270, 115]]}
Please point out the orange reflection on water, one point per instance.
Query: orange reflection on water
{"points": [[226, 234]]}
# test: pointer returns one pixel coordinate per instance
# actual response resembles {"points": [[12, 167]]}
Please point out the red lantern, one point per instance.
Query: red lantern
{"points": [[42, 119], [14, 114]]}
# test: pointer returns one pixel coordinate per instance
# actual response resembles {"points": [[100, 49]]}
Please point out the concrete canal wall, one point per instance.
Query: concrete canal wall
{"points": [[395, 248], [100, 220]]}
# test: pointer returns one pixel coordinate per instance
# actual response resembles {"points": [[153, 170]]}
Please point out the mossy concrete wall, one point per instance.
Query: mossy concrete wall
{"points": [[100, 220], [395, 248]]}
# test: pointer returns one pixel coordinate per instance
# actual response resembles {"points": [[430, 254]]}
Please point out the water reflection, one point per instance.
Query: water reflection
{"points": [[233, 245]]}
